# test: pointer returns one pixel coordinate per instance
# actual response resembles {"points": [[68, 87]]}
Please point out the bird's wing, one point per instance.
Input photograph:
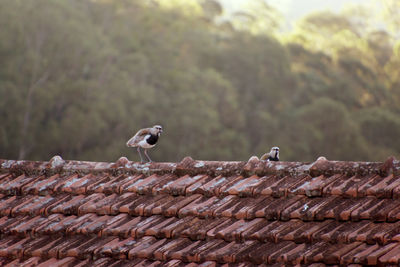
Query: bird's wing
{"points": [[138, 137], [143, 132], [265, 156]]}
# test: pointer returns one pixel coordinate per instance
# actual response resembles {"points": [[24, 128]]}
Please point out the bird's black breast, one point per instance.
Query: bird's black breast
{"points": [[152, 140], [273, 159]]}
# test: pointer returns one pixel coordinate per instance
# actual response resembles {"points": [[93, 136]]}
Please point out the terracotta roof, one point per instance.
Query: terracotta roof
{"points": [[199, 212]]}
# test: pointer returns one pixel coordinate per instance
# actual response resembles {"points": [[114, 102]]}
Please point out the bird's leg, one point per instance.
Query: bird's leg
{"points": [[145, 152], [140, 154]]}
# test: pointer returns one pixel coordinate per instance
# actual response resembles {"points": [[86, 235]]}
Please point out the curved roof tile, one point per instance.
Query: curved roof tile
{"points": [[204, 213]]}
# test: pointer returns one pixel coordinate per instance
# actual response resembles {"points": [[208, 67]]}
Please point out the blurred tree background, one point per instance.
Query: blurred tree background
{"points": [[79, 77]]}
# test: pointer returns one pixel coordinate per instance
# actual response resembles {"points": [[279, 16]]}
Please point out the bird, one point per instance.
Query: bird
{"points": [[321, 158], [273, 155], [145, 138]]}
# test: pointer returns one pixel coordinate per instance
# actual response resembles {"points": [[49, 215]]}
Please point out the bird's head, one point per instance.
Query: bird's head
{"points": [[157, 129], [274, 152]]}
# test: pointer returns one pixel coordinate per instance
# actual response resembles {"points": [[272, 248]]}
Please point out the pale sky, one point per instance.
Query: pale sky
{"points": [[295, 9]]}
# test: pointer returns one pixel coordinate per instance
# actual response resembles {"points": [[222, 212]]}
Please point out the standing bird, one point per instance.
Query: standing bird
{"points": [[146, 138], [273, 155]]}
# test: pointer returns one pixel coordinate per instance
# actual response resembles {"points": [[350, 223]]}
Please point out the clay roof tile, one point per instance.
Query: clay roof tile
{"points": [[194, 213]]}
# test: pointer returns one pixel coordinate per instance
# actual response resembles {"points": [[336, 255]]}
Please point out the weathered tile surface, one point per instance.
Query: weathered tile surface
{"points": [[199, 213]]}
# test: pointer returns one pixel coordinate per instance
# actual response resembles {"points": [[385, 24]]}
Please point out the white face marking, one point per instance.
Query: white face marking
{"points": [[274, 152], [158, 129]]}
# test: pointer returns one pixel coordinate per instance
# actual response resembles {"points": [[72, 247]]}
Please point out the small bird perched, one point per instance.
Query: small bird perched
{"points": [[146, 138], [273, 155]]}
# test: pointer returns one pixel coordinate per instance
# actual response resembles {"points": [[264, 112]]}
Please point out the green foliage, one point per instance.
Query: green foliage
{"points": [[380, 127], [79, 78], [326, 128]]}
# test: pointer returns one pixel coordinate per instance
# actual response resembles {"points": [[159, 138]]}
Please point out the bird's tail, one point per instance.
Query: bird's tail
{"points": [[131, 143]]}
